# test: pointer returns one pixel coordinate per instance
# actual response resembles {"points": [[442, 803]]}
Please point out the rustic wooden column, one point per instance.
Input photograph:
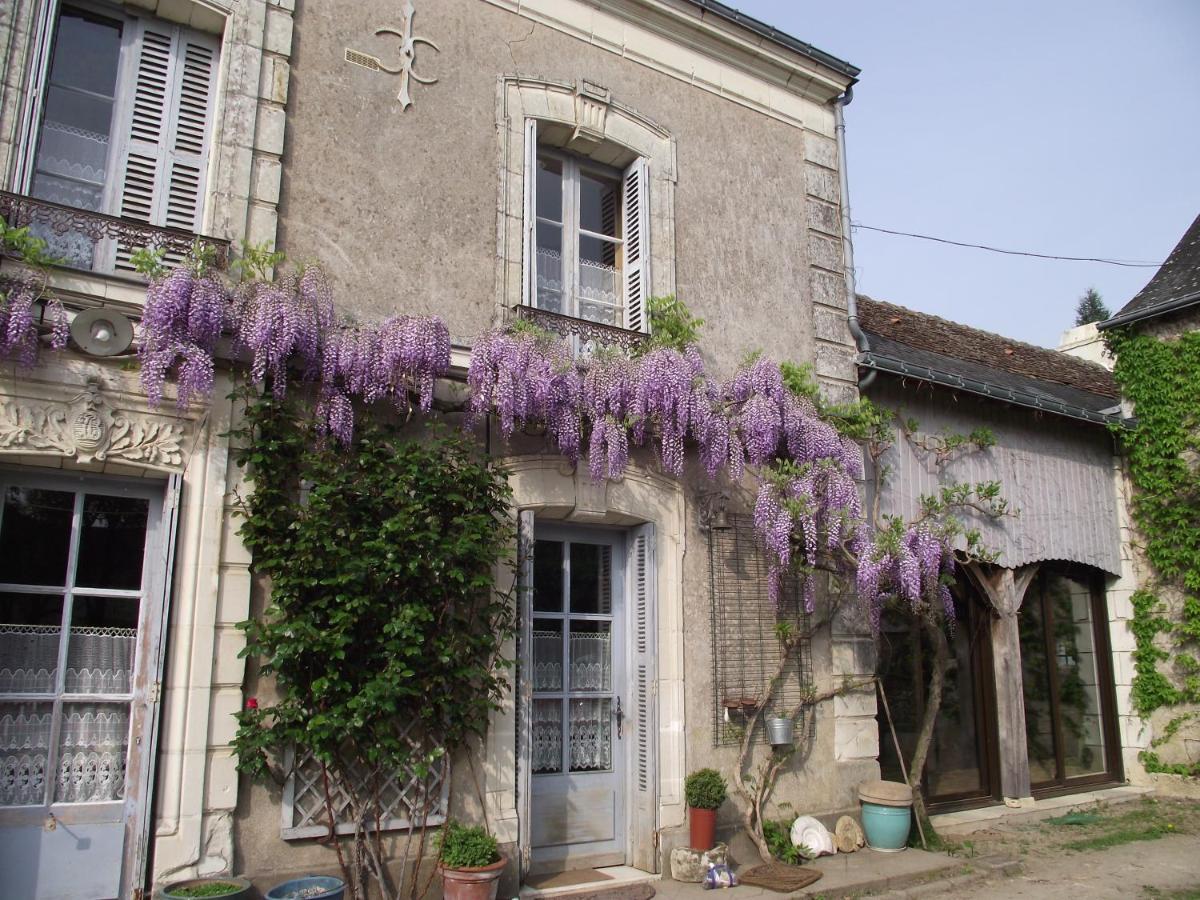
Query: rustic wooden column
{"points": [[1005, 589]]}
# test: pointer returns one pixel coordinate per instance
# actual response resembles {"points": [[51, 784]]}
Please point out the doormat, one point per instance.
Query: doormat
{"points": [[780, 877], [566, 879]]}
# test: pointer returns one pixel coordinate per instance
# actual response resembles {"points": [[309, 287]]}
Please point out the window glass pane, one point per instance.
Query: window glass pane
{"points": [[591, 735], [100, 650], [547, 737], [549, 188], [1078, 676], [599, 204], [547, 655], [87, 50], [591, 578], [112, 542], [548, 576], [93, 745], [30, 625], [549, 271], [81, 122], [1035, 682], [599, 280], [24, 749], [35, 536], [591, 656]]}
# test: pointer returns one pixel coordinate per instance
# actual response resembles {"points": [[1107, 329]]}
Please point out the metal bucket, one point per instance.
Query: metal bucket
{"points": [[781, 732]]}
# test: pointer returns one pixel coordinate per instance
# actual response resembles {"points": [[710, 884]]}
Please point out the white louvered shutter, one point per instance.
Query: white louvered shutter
{"points": [[529, 241], [167, 133], [635, 201], [643, 575]]}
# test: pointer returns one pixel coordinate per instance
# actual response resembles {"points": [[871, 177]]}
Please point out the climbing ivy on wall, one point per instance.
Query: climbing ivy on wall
{"points": [[1162, 378]]}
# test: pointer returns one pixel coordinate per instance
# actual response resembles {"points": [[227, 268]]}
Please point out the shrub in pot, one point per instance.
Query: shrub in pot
{"points": [[705, 790], [470, 862], [222, 887]]}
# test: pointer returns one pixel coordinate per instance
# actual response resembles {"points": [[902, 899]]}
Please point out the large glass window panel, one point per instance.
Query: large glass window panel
{"points": [[112, 542], [591, 579], [1037, 685], [591, 734], [549, 188], [24, 752], [547, 736], [35, 536], [1078, 676], [86, 52], [591, 656], [599, 204], [93, 745], [547, 655], [599, 280], [102, 645], [30, 627], [549, 268], [548, 576]]}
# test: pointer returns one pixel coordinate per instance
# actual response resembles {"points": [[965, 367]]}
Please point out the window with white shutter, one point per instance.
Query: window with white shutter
{"points": [[586, 235], [124, 125]]}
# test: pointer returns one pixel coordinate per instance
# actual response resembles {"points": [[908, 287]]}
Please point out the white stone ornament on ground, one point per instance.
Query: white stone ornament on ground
{"points": [[810, 833], [692, 865], [848, 834]]}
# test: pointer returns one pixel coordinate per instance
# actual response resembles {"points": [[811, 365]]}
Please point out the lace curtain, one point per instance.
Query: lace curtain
{"points": [[599, 287], [99, 660], [591, 735], [24, 749]]}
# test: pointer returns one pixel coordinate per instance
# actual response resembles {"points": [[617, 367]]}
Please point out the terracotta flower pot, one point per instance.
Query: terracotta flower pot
{"points": [[476, 883], [702, 823]]}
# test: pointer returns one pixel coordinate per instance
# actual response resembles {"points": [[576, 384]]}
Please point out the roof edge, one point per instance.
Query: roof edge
{"points": [[773, 34], [891, 366], [1150, 312]]}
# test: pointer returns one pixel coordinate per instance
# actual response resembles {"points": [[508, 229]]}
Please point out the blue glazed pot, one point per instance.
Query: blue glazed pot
{"points": [[333, 888], [886, 827]]}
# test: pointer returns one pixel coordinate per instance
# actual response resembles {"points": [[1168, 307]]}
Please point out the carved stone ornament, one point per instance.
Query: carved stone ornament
{"points": [[408, 55], [86, 430]]}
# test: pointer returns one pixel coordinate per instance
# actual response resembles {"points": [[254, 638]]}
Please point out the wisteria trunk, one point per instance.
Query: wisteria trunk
{"points": [[933, 705]]}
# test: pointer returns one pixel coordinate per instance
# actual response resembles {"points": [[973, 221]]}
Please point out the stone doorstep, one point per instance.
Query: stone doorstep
{"points": [[618, 877], [957, 824]]}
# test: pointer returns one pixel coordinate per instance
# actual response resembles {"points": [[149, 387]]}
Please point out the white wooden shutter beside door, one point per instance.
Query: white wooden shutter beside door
{"points": [[636, 200], [164, 164], [643, 576]]}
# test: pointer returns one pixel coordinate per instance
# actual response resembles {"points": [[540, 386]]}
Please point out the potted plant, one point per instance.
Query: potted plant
{"points": [[471, 863], [223, 887], [705, 791]]}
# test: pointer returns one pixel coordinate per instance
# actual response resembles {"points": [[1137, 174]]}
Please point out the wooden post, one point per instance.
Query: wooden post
{"points": [[1005, 589]]}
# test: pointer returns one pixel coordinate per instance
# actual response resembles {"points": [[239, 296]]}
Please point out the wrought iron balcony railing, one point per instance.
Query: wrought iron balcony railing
{"points": [[583, 329], [95, 242]]}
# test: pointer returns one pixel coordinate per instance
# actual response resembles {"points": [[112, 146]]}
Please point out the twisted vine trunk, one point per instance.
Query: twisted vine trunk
{"points": [[933, 705]]}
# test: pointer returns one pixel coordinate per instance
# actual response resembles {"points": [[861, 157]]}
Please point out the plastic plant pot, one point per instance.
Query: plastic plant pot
{"points": [[310, 887], [702, 828], [189, 889]]}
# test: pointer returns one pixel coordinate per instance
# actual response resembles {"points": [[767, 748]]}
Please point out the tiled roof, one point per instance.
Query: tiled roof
{"points": [[924, 342], [1176, 279]]}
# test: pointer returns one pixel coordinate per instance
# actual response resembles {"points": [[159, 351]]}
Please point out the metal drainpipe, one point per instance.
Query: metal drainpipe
{"points": [[860, 338]]}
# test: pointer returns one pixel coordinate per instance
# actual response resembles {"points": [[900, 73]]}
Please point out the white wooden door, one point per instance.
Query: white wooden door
{"points": [[578, 717], [82, 565]]}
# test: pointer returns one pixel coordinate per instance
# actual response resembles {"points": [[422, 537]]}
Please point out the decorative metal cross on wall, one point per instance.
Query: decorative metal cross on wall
{"points": [[408, 55]]}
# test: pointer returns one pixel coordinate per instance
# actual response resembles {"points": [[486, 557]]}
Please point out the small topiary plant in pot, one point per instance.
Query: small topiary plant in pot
{"points": [[705, 790], [471, 863]]}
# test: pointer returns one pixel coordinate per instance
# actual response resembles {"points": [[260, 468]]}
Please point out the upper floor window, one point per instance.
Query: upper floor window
{"points": [[122, 126], [586, 234]]}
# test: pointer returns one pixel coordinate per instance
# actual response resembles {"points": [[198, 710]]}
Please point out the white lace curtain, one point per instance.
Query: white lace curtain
{"points": [[99, 660]]}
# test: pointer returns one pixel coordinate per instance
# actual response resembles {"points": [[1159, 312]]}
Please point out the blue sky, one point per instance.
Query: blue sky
{"points": [[1063, 127]]}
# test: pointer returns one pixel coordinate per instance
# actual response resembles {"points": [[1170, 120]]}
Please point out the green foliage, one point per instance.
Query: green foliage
{"points": [[1090, 308], [256, 262], [1162, 379], [778, 835], [31, 250], [705, 789], [208, 889], [466, 847], [383, 610], [671, 324], [801, 380]]}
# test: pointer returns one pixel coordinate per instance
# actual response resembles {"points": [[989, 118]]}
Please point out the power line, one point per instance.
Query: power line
{"points": [[1135, 264]]}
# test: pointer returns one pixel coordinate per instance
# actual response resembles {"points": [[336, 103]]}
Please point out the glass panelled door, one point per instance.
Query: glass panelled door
{"points": [[1067, 684], [76, 583], [577, 716]]}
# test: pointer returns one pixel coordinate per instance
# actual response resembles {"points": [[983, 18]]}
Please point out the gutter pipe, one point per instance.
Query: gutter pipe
{"points": [[1158, 309], [860, 337]]}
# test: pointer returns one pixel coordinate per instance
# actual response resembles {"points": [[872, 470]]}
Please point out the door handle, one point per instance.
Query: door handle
{"points": [[620, 717]]}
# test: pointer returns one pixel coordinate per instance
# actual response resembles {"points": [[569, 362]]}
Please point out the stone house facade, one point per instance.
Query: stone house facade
{"points": [[477, 159]]}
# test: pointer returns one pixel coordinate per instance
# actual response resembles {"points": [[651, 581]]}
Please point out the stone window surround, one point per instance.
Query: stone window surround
{"points": [[590, 111]]}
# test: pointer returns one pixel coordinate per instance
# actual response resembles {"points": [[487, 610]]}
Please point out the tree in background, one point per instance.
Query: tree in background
{"points": [[1091, 308]]}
